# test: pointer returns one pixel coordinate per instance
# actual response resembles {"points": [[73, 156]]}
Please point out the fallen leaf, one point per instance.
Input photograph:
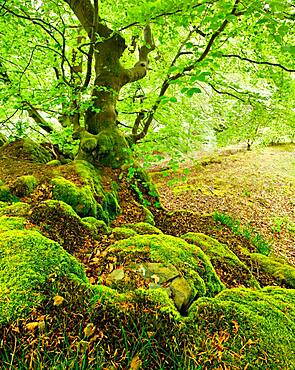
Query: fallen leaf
{"points": [[89, 329], [32, 325], [136, 363], [58, 300]]}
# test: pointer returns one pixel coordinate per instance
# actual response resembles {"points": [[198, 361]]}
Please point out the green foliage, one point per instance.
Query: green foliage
{"points": [[248, 232]]}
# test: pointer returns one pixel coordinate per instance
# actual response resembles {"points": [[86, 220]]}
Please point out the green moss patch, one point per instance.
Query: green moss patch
{"points": [[283, 273], [242, 326], [24, 185], [97, 227], [160, 262], [6, 195], [26, 149], [120, 233], [58, 221], [11, 223], [27, 260], [231, 270], [17, 209], [79, 198]]}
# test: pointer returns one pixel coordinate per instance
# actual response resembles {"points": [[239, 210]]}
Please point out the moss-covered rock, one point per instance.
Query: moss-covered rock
{"points": [[26, 149], [143, 228], [97, 227], [283, 273], [6, 195], [148, 216], [27, 260], [111, 205], [11, 223], [231, 270], [136, 254], [237, 326], [54, 162], [79, 198], [58, 221], [120, 233], [108, 207], [16, 209], [24, 185]]}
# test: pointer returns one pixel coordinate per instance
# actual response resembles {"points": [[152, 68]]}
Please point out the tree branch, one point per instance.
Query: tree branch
{"points": [[225, 93], [258, 62], [140, 69]]}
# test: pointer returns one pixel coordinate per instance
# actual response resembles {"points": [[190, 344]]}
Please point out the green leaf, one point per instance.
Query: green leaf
{"points": [[173, 99], [192, 91]]}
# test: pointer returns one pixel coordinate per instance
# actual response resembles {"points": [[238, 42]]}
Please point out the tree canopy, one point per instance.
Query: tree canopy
{"points": [[178, 73]]}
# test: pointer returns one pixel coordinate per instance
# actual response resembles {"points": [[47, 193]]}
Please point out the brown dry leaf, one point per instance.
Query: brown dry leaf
{"points": [[58, 300], [32, 325], [236, 326], [89, 329], [136, 363]]}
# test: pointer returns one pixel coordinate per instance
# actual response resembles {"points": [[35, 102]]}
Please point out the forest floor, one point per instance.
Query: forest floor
{"points": [[256, 187]]}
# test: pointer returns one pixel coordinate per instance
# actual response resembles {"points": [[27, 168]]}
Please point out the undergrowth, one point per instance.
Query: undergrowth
{"points": [[247, 232]]}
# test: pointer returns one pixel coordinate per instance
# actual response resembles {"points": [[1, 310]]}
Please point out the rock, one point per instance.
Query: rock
{"points": [[120, 233], [182, 293], [116, 275], [165, 272]]}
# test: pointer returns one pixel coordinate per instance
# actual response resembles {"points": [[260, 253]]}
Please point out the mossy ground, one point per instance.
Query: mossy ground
{"points": [[61, 316]]}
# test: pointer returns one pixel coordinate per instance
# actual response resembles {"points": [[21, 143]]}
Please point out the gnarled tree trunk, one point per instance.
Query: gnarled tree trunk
{"points": [[101, 142]]}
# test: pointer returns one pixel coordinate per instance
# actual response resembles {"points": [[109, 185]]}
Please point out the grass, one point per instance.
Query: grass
{"points": [[247, 232]]}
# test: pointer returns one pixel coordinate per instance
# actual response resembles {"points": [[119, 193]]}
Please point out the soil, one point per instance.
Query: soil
{"points": [[255, 187]]}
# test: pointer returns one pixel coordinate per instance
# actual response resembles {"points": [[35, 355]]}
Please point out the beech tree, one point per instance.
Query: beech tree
{"points": [[101, 66]]}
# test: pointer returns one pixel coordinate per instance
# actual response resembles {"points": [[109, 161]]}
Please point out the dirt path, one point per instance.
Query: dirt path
{"points": [[257, 188]]}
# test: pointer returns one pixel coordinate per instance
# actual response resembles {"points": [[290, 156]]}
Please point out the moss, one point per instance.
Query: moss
{"points": [[27, 260], [58, 221], [120, 233], [108, 207], [36, 151], [232, 271], [189, 260], [91, 176], [280, 270], [158, 297], [11, 223], [245, 324], [97, 227], [64, 208], [111, 205], [143, 228], [54, 162], [17, 209], [24, 185], [148, 216], [6, 195], [79, 198]]}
